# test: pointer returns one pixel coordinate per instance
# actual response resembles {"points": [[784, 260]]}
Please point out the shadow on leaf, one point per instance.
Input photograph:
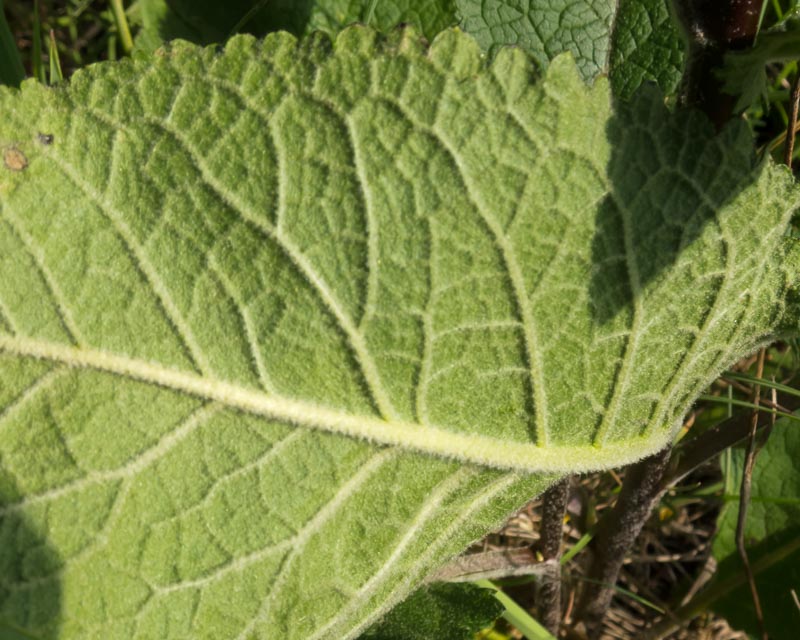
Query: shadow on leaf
{"points": [[671, 177], [30, 597], [208, 22]]}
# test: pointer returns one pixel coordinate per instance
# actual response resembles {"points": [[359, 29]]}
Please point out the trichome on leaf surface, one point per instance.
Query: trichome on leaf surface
{"points": [[286, 325]]}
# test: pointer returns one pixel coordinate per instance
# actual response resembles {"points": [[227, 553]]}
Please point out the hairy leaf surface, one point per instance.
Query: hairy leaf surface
{"points": [[283, 327]]}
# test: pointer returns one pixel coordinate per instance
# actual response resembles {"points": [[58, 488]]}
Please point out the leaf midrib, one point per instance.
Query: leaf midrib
{"points": [[438, 441], [356, 340]]}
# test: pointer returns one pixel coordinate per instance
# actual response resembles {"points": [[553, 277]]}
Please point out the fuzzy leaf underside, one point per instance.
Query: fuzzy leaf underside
{"points": [[217, 267]]}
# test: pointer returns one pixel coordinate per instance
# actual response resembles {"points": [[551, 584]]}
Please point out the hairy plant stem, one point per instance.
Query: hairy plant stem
{"points": [[548, 596], [712, 29], [791, 129], [616, 533]]}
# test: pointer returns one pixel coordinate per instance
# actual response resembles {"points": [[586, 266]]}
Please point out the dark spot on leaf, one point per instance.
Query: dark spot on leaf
{"points": [[45, 138], [14, 159]]}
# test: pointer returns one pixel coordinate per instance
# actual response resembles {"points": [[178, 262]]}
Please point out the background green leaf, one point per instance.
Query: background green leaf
{"points": [[646, 46], [442, 611], [773, 524], [632, 40], [209, 21], [9, 633], [11, 70], [284, 327]]}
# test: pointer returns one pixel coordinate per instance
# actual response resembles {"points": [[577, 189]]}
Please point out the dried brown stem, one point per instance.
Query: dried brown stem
{"points": [[744, 498], [791, 129], [491, 565]]}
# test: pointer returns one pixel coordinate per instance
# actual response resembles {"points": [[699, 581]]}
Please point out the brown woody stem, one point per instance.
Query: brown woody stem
{"points": [[616, 534], [548, 597]]}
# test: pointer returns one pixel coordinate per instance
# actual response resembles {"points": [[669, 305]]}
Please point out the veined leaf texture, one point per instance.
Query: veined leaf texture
{"points": [[284, 326]]}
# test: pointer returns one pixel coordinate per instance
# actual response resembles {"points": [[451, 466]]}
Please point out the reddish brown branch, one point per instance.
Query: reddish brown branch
{"points": [[713, 28], [791, 129]]}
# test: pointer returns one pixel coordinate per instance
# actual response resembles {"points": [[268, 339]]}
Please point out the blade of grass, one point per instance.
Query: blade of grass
{"points": [[123, 29], [56, 74], [585, 539], [516, 615], [748, 405], [37, 66], [12, 632], [370, 12], [491, 634], [743, 377], [12, 72], [247, 17], [111, 47], [642, 601], [776, 6]]}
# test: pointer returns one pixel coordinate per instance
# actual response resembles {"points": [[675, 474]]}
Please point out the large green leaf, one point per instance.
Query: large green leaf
{"points": [[630, 40], [772, 534], [282, 329]]}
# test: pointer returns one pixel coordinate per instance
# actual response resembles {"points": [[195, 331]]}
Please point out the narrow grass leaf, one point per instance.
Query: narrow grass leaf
{"points": [[627, 593], [771, 384], [516, 615], [748, 405], [123, 28], [12, 72], [56, 74], [585, 539], [37, 64]]}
